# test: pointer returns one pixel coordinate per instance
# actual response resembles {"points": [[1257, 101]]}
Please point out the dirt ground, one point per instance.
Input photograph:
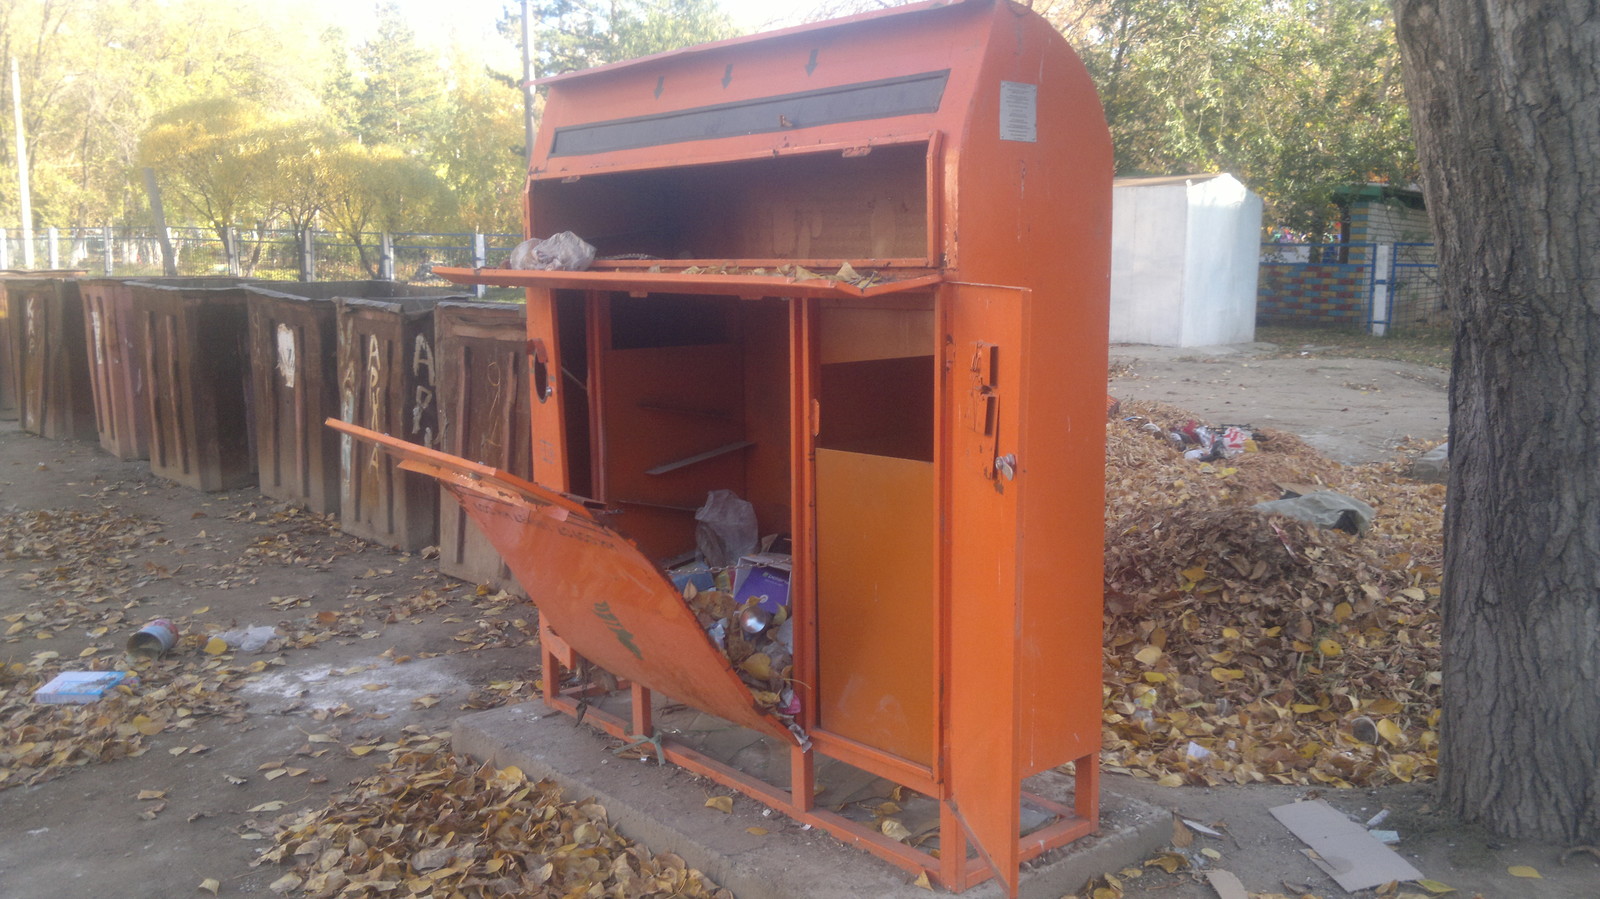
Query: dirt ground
{"points": [[1353, 410], [377, 651]]}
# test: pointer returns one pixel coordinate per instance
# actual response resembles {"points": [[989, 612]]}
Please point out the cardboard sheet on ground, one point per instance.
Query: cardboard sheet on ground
{"points": [[1347, 852]]}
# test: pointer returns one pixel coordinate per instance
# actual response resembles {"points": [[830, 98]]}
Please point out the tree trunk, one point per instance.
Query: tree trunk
{"points": [[1505, 103]]}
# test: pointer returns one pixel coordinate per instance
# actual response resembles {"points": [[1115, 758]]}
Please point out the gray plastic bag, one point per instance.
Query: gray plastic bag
{"points": [[725, 529], [564, 252]]}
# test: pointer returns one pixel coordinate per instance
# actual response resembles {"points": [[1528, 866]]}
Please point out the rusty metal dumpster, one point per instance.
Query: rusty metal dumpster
{"points": [[10, 356], [484, 413], [54, 398], [116, 367], [388, 383], [197, 362], [295, 383], [873, 303]]}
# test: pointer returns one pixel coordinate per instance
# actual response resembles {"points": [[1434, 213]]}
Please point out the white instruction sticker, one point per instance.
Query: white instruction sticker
{"points": [[1019, 111]]}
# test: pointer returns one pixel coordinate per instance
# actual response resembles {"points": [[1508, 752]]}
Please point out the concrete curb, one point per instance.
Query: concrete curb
{"points": [[664, 809]]}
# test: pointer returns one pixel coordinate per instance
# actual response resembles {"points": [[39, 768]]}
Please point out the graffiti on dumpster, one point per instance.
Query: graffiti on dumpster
{"points": [[609, 619], [422, 357], [375, 398]]}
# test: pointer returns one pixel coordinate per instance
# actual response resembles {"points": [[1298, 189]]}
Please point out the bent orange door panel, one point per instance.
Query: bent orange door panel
{"points": [[591, 585]]}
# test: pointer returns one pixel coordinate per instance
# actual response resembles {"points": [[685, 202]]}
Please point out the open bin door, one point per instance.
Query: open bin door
{"points": [[984, 330], [591, 585]]}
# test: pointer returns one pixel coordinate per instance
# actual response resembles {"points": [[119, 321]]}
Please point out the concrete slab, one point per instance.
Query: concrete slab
{"points": [[664, 809]]}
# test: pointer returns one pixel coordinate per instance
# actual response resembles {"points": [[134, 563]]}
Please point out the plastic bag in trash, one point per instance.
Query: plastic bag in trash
{"points": [[1323, 508], [564, 252], [725, 529]]}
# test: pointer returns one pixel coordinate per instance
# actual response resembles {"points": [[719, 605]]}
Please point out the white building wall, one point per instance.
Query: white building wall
{"points": [[1147, 257], [1223, 259], [1184, 259]]}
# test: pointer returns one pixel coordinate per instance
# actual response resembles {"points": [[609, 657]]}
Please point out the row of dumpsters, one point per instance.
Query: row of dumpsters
{"points": [[224, 384]]}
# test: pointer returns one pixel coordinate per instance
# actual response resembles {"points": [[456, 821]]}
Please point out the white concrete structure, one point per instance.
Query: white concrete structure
{"points": [[1185, 250]]}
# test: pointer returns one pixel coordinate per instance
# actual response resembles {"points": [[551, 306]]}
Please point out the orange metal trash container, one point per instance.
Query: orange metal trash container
{"points": [[874, 304]]}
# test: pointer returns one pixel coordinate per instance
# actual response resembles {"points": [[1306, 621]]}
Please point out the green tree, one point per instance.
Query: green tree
{"points": [[573, 34], [1297, 97], [479, 153], [373, 189], [401, 96], [212, 161], [94, 74]]}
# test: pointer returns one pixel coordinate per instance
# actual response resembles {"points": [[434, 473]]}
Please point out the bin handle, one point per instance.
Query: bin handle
{"points": [[539, 362]]}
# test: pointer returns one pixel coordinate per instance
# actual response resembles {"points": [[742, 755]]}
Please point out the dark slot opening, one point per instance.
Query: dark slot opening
{"points": [[664, 320], [881, 407]]}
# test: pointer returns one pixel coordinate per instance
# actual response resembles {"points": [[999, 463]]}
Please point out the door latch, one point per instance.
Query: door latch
{"points": [[1006, 466]]}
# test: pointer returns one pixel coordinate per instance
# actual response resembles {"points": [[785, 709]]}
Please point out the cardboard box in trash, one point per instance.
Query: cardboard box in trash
{"points": [[763, 577]]}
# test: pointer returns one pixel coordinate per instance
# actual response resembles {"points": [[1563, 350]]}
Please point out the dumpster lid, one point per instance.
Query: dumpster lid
{"points": [[738, 281], [593, 586]]}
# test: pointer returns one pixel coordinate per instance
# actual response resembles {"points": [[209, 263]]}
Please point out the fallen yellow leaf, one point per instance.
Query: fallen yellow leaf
{"points": [[722, 804], [216, 646], [1523, 871], [1390, 731], [210, 885], [1435, 887], [894, 830], [1169, 862], [1330, 648]]}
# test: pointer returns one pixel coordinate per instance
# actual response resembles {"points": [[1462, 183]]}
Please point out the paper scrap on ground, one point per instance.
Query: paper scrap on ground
{"points": [[1227, 885], [1347, 852]]}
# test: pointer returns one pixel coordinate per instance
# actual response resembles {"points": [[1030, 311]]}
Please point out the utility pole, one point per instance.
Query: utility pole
{"points": [[24, 194], [527, 85]]}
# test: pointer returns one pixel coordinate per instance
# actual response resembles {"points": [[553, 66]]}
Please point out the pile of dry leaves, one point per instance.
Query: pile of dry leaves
{"points": [[1242, 648], [430, 823]]}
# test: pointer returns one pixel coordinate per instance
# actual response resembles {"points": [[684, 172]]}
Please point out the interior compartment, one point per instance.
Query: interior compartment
{"points": [[816, 206], [691, 395]]}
